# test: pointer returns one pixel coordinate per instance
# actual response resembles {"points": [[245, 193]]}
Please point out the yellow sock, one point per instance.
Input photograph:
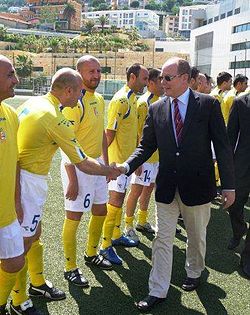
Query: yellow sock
{"points": [[129, 221], [35, 263], [108, 226], [7, 282], [142, 216], [94, 234], [69, 243], [19, 291], [117, 230]]}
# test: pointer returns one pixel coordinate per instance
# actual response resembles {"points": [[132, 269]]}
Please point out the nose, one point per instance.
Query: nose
{"points": [[15, 79]]}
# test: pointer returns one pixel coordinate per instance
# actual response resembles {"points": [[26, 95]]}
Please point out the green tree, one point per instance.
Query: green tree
{"points": [[23, 66], [135, 4], [3, 33], [152, 5], [103, 20], [89, 26], [54, 44], [69, 12], [47, 15]]}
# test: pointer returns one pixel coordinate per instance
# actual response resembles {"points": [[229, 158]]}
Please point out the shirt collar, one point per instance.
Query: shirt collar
{"points": [[183, 98]]}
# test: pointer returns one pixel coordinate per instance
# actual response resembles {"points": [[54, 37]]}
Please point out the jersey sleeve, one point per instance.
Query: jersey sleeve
{"points": [[62, 134], [116, 111], [74, 115]]}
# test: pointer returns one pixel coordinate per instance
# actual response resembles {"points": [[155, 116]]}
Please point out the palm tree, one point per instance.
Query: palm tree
{"points": [[89, 26], [68, 13], [103, 20], [54, 44], [23, 66]]}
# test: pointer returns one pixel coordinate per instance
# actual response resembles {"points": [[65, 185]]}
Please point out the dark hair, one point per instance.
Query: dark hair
{"points": [[222, 77], [153, 74], [239, 78], [208, 77], [184, 67], [194, 72], [135, 69]]}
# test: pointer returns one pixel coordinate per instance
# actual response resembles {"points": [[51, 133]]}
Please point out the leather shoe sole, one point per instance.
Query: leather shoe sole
{"points": [[148, 303]]}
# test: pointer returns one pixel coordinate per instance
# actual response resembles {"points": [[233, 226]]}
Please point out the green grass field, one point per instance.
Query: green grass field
{"points": [[223, 291]]}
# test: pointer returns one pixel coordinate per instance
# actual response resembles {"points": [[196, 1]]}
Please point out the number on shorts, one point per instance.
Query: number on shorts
{"points": [[35, 222], [86, 202], [147, 176]]}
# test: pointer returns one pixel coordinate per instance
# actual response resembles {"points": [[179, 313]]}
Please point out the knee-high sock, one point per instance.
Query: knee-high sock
{"points": [[142, 216], [7, 282], [69, 243], [35, 263], [18, 293], [108, 226], [118, 219], [94, 234], [129, 221]]}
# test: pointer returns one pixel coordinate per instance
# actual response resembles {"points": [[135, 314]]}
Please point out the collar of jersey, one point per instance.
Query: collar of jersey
{"points": [[129, 90], [54, 100]]}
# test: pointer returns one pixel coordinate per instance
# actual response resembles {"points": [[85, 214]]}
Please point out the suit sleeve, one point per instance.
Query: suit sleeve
{"points": [[147, 146], [233, 127], [222, 147]]}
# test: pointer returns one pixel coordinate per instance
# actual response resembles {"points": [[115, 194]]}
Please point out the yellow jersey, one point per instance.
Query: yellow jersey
{"points": [[8, 161], [122, 118], [43, 129], [218, 94], [88, 122], [142, 108], [227, 103]]}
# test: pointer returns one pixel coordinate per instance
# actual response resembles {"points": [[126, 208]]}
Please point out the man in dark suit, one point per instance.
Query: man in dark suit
{"points": [[239, 135], [181, 126]]}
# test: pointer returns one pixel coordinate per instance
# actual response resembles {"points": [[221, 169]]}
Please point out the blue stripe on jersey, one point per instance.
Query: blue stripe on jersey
{"points": [[24, 112], [150, 98], [130, 92], [82, 104], [127, 113]]}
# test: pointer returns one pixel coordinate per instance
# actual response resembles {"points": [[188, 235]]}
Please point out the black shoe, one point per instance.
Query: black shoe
{"points": [[233, 243], [75, 276], [25, 308], [3, 310], [148, 303], [48, 291], [245, 268], [190, 284], [98, 261]]}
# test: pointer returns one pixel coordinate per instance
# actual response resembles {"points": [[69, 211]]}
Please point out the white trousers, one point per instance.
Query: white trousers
{"points": [[196, 219]]}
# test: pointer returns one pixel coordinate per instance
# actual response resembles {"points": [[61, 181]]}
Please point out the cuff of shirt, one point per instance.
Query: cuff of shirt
{"points": [[126, 166]]}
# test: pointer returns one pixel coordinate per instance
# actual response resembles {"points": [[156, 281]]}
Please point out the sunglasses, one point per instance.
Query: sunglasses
{"points": [[170, 77]]}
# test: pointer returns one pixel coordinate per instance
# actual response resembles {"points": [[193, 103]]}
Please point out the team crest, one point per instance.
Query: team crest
{"points": [[2, 135]]}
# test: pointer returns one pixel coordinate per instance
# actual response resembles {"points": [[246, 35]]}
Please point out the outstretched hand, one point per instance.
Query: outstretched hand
{"points": [[228, 198]]}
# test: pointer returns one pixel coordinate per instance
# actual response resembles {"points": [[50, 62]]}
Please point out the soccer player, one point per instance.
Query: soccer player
{"points": [[43, 129], [142, 185], [224, 82], [122, 139], [84, 192], [194, 79]]}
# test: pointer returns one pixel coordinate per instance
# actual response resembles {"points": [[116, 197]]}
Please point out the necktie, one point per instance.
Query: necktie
{"points": [[177, 121]]}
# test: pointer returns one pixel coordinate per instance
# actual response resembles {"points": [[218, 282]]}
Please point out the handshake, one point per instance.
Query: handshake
{"points": [[115, 170]]}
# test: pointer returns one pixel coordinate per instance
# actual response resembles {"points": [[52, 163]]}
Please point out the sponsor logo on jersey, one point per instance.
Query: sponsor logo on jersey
{"points": [[2, 119], [2, 135]]}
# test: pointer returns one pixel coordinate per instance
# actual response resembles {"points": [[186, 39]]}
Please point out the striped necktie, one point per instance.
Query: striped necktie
{"points": [[177, 121]]}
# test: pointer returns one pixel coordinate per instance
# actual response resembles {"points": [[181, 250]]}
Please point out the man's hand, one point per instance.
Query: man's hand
{"points": [[19, 212], [138, 171], [116, 170], [227, 198], [72, 190]]}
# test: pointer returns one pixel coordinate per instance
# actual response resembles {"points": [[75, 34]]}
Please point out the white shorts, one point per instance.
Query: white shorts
{"points": [[148, 174], [93, 189], [120, 184], [11, 241], [34, 190]]}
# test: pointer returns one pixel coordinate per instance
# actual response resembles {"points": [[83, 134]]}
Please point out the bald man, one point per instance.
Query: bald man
{"points": [[43, 129]]}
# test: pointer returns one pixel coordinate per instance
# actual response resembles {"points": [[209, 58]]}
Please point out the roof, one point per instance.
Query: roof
{"points": [[13, 17]]}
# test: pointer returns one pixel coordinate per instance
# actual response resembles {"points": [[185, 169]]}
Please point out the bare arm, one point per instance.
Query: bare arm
{"points": [[72, 189], [110, 135], [105, 149]]}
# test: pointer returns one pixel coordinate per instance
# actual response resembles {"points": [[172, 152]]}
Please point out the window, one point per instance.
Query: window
{"points": [[204, 41], [106, 70], [240, 64], [222, 16], [240, 46], [205, 22], [241, 28], [237, 11], [210, 21], [37, 69], [159, 49], [216, 18], [229, 13]]}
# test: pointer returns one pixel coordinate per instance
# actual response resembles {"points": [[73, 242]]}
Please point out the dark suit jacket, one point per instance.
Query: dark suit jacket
{"points": [[239, 135], [189, 166]]}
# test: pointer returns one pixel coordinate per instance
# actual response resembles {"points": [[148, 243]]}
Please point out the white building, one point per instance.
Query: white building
{"points": [[143, 20], [223, 43], [172, 46]]}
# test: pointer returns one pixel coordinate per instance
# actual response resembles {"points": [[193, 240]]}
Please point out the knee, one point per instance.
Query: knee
{"points": [[13, 265]]}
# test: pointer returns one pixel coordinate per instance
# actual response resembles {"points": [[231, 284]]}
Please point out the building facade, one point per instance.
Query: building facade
{"points": [[171, 25]]}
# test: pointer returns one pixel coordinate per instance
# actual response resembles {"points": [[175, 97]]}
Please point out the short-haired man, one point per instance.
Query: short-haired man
{"points": [[205, 84], [142, 184], [42, 130], [122, 139], [194, 78], [224, 83], [11, 239], [239, 86], [83, 192]]}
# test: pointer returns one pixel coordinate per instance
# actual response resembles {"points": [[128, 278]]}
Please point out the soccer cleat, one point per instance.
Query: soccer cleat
{"points": [[48, 291], [25, 308], [110, 254], [145, 228], [98, 261], [130, 233], [3, 310], [124, 241], [75, 276]]}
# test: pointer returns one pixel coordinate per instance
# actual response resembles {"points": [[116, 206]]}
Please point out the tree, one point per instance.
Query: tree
{"points": [[135, 4], [23, 66], [54, 44], [89, 26], [69, 12], [103, 20], [152, 5], [47, 15]]}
